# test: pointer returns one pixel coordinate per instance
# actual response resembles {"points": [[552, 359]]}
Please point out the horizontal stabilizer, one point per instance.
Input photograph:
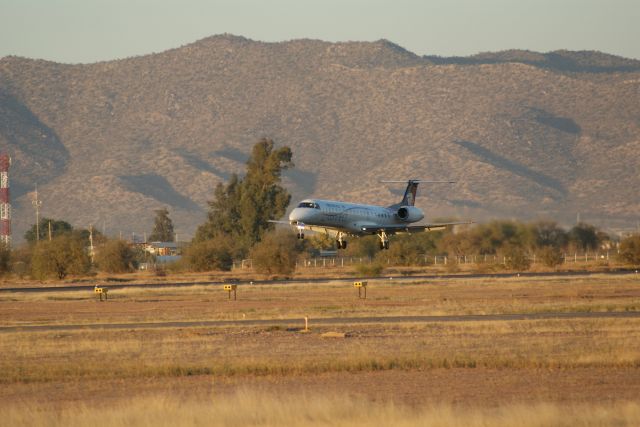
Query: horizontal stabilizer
{"points": [[417, 181]]}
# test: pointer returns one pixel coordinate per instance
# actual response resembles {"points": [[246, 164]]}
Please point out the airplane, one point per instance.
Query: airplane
{"points": [[341, 219]]}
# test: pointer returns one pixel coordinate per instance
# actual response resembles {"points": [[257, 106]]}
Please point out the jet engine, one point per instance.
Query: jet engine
{"points": [[410, 214]]}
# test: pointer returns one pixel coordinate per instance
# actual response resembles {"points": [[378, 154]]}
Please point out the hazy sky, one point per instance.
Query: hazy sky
{"points": [[94, 30]]}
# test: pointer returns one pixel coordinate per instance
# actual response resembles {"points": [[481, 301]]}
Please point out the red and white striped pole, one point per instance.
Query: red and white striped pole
{"points": [[5, 203]]}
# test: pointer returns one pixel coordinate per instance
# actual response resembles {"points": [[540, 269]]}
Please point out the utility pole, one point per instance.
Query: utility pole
{"points": [[37, 203], [91, 242]]}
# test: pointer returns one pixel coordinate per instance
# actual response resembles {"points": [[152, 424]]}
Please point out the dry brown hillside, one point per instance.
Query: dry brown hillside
{"points": [[525, 134]]}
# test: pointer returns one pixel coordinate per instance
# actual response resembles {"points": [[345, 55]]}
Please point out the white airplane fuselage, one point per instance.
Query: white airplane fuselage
{"points": [[342, 219], [351, 218]]}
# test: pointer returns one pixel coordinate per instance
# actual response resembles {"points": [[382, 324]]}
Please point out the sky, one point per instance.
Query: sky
{"points": [[84, 31]]}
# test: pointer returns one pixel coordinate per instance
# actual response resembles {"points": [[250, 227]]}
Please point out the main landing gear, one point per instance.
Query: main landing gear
{"points": [[300, 235], [340, 242], [384, 240]]}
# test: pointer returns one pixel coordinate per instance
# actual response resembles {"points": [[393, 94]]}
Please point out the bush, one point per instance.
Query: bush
{"points": [[516, 259], [207, 255], [551, 256], [59, 257], [275, 254], [370, 270], [5, 259], [21, 261], [630, 250], [116, 256], [404, 250]]}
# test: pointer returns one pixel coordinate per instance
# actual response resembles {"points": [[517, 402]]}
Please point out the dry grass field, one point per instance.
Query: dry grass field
{"points": [[526, 372]]}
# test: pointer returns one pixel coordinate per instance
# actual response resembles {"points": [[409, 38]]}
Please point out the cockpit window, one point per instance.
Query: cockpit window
{"points": [[309, 205]]}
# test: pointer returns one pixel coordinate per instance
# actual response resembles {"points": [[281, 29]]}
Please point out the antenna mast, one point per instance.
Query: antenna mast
{"points": [[5, 202], [37, 203]]}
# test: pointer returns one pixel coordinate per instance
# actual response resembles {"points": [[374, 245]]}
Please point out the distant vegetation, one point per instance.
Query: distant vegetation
{"points": [[238, 227], [514, 244]]}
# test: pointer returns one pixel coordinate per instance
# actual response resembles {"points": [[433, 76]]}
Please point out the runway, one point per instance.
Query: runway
{"points": [[299, 322], [114, 286]]}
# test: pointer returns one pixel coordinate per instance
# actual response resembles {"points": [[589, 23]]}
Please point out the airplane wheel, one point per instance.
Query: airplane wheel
{"points": [[381, 245], [386, 245], [344, 244], [301, 236]]}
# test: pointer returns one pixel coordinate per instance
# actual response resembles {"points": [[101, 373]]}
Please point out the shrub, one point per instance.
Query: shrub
{"points": [[371, 270], [630, 250], [516, 259], [59, 257], [5, 259], [207, 255], [276, 253], [116, 256], [551, 256]]}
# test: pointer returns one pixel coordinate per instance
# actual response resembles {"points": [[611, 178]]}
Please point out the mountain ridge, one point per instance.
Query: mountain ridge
{"points": [[118, 139]]}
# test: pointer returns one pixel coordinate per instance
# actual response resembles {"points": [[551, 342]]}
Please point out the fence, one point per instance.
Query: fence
{"points": [[426, 260]]}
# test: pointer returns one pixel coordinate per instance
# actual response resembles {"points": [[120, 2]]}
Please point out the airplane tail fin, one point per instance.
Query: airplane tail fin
{"points": [[409, 198]]}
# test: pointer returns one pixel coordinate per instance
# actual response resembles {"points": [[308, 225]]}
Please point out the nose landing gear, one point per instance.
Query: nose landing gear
{"points": [[384, 240]]}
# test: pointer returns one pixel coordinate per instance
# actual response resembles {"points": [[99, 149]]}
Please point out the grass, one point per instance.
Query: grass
{"points": [[250, 408], [273, 351], [494, 363]]}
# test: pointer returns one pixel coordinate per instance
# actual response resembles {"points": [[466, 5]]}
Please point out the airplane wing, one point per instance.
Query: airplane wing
{"points": [[280, 222], [399, 228], [330, 231]]}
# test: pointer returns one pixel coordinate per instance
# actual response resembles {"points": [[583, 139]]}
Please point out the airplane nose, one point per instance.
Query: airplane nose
{"points": [[301, 215], [295, 215]]}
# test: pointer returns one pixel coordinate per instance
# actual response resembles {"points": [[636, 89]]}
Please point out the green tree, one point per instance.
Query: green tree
{"points": [[58, 228], [59, 257], [83, 234], [276, 253], [224, 211], [584, 237], [244, 206], [630, 249], [162, 227], [116, 256], [549, 234]]}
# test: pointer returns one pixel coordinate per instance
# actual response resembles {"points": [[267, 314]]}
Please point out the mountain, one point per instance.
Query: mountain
{"points": [[525, 134]]}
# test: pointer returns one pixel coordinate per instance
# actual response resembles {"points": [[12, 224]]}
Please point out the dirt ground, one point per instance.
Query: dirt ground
{"points": [[473, 387]]}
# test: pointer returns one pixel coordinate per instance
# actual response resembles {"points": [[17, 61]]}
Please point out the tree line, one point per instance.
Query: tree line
{"points": [[238, 227]]}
